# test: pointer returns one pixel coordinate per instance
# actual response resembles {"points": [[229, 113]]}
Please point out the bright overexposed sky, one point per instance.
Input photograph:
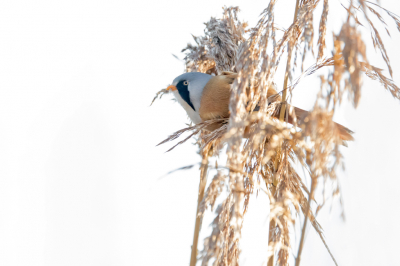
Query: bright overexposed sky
{"points": [[81, 179]]}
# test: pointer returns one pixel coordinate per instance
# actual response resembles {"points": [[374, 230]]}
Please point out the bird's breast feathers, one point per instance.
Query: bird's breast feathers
{"points": [[193, 115]]}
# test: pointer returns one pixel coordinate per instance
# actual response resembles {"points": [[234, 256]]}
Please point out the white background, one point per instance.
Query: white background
{"points": [[81, 181]]}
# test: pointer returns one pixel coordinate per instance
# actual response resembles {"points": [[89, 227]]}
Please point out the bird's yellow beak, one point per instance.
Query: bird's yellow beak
{"points": [[171, 88]]}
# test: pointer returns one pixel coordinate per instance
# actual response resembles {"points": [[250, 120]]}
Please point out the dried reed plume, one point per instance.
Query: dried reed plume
{"points": [[262, 148]]}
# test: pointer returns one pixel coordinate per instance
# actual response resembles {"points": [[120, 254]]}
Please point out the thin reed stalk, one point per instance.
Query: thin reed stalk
{"points": [[303, 230], [289, 59], [272, 226], [197, 227]]}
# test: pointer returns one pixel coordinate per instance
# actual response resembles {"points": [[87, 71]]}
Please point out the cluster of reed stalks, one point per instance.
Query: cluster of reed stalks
{"points": [[263, 149]]}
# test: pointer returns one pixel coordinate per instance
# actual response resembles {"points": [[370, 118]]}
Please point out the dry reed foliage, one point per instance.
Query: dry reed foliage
{"points": [[263, 149]]}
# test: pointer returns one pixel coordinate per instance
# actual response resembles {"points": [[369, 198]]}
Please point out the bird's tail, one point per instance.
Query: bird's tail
{"points": [[344, 133]]}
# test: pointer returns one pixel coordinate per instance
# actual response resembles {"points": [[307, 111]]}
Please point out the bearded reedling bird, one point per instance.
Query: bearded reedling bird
{"points": [[206, 97]]}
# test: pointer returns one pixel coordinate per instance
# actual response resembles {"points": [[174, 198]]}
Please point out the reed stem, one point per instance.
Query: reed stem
{"points": [[271, 230], [285, 82], [303, 231], [197, 227]]}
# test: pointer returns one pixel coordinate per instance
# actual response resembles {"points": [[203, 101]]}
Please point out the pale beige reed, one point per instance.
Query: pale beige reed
{"points": [[260, 147]]}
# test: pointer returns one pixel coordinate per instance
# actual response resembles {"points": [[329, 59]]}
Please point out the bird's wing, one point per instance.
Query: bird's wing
{"points": [[216, 95], [215, 98]]}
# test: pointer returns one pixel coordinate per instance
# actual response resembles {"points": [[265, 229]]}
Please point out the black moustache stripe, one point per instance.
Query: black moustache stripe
{"points": [[184, 93]]}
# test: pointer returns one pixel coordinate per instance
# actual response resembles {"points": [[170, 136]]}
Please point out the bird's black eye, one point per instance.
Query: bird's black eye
{"points": [[185, 83]]}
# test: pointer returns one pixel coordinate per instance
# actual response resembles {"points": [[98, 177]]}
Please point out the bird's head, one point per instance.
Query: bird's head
{"points": [[187, 89]]}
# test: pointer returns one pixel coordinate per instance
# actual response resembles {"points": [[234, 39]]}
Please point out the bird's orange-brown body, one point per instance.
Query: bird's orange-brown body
{"points": [[215, 99]]}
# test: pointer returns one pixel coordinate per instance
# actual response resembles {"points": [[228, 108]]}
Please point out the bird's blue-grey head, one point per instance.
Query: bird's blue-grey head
{"points": [[190, 87]]}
